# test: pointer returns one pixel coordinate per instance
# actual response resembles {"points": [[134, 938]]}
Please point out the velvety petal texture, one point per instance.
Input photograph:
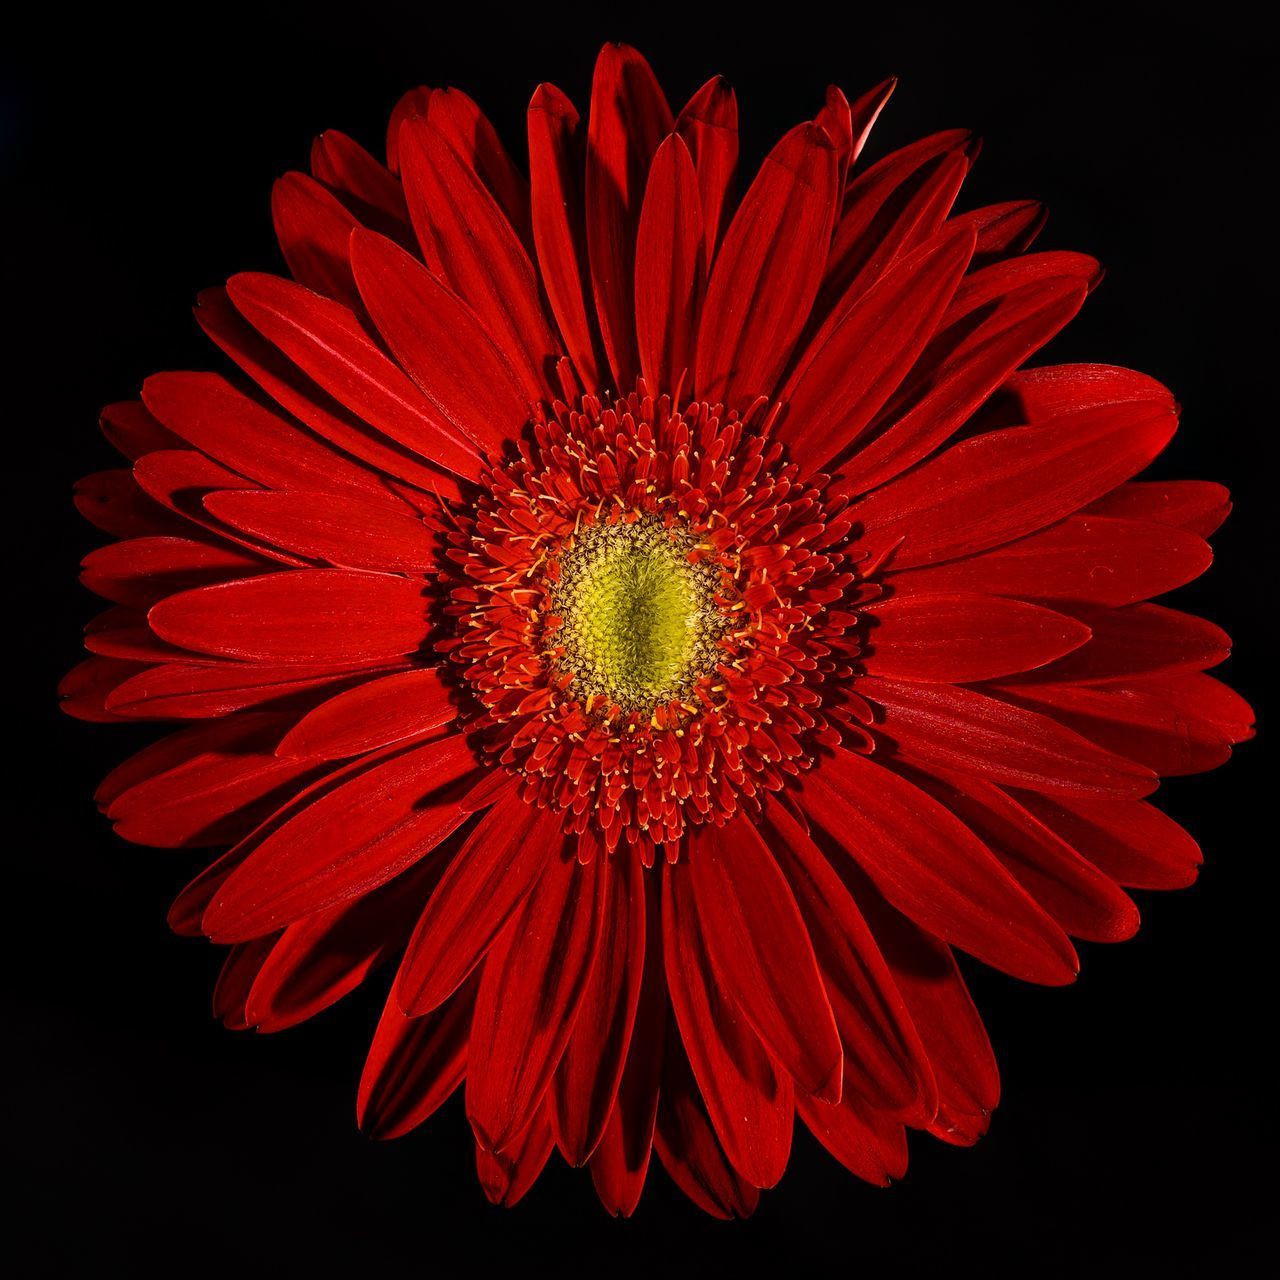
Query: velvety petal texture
{"points": [[650, 622]]}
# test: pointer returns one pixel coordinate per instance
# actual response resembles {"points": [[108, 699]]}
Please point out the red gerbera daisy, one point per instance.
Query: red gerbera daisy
{"points": [[663, 626]]}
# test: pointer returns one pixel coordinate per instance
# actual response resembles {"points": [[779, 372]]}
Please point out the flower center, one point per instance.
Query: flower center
{"points": [[639, 618]]}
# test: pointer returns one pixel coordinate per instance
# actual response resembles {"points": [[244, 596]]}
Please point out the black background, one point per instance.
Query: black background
{"points": [[1137, 1130]]}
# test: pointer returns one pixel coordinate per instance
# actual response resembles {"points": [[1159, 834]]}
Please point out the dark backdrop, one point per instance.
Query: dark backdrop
{"points": [[1136, 1134]]}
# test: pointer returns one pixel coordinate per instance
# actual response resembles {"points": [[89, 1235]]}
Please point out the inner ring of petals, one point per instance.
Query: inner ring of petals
{"points": [[638, 613]]}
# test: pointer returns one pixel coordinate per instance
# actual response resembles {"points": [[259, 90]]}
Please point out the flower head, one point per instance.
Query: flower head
{"points": [[662, 626]]}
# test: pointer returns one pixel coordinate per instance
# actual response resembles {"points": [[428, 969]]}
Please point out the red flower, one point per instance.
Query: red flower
{"points": [[663, 626]]}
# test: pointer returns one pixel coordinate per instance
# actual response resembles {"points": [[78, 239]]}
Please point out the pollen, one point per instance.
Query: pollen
{"points": [[639, 612]]}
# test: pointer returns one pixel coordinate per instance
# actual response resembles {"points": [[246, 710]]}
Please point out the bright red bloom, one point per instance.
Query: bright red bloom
{"points": [[663, 625]]}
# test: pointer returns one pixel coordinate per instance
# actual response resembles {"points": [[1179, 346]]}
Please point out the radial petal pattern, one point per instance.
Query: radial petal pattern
{"points": [[657, 626]]}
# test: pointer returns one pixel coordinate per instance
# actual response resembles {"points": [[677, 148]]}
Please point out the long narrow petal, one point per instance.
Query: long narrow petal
{"points": [[414, 1064], [313, 227], [533, 982], [629, 117], [140, 571], [326, 341], [232, 428], [1130, 841], [345, 843], [748, 1096], [708, 124], [961, 637], [955, 374], [440, 343], [1199, 506], [620, 1162], [373, 715], [556, 160], [767, 272], [884, 1059], [586, 1082], [840, 386], [468, 241], [486, 882], [670, 271], [930, 866], [964, 729], [762, 954], [926, 973], [1086, 903], [688, 1146], [388, 460], [999, 486], [1090, 559], [309, 615]]}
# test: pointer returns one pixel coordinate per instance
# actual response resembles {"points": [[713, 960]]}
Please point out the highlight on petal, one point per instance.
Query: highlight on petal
{"points": [[652, 620]]}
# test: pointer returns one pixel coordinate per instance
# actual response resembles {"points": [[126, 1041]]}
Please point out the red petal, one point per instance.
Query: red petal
{"points": [[373, 715], [767, 272], [891, 209], [340, 530], [1145, 724], [884, 1059], [761, 952], [839, 386], [84, 690], [214, 792], [629, 116], [1034, 396], [587, 1080], [364, 185], [345, 843], [931, 867], [417, 102], [996, 487], [310, 615], [327, 955], [534, 979], [1079, 897], [476, 141], [867, 1141], [467, 240], [709, 126], [189, 690], [130, 428], [1130, 841], [555, 167], [958, 638], [440, 342], [1004, 229], [963, 729], [957, 371], [113, 502], [507, 1177], [1137, 640], [689, 1150], [326, 341], [300, 396], [313, 228], [140, 571], [925, 972], [670, 271], [484, 885], [748, 1097], [414, 1064], [1198, 506], [1085, 558], [620, 1162]]}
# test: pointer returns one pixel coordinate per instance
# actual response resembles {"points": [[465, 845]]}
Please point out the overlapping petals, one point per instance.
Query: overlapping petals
{"points": [[939, 697]]}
